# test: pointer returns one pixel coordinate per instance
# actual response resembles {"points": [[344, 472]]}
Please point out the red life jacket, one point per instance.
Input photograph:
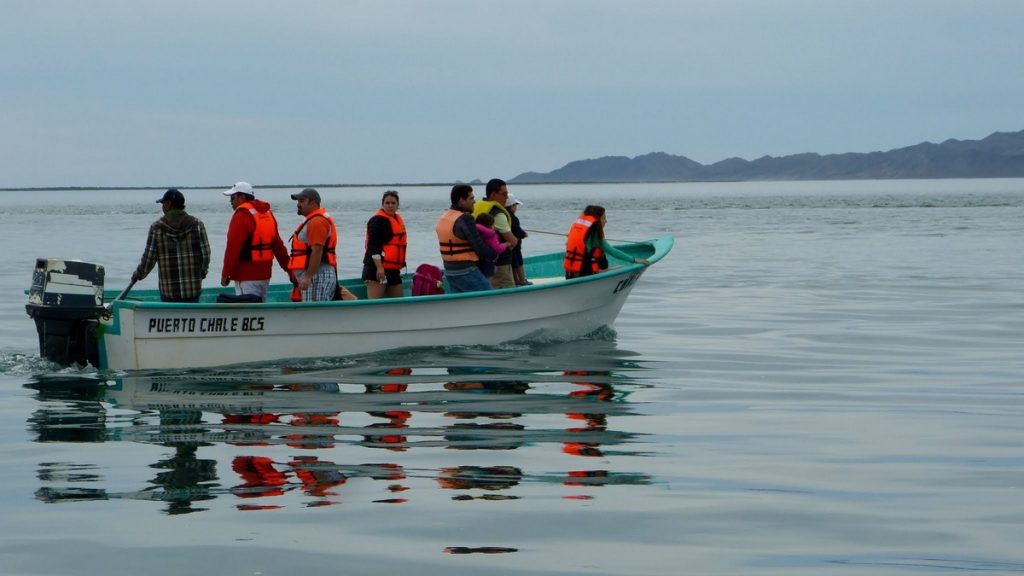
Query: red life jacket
{"points": [[260, 477], [576, 249], [394, 249], [301, 249], [261, 245]]}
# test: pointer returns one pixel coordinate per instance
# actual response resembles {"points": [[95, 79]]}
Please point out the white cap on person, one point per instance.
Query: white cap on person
{"points": [[240, 188]]}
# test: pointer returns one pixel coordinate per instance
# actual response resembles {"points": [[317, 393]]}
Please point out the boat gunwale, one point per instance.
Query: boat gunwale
{"points": [[661, 246]]}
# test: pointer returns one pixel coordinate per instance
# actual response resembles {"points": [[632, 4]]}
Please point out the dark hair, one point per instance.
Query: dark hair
{"points": [[493, 185], [389, 193], [460, 192], [595, 211], [485, 219]]}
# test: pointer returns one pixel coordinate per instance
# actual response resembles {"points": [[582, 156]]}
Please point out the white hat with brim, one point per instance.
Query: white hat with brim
{"points": [[512, 200], [240, 188]]}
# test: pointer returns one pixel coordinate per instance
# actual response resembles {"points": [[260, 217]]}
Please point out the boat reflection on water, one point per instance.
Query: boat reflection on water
{"points": [[265, 441]]}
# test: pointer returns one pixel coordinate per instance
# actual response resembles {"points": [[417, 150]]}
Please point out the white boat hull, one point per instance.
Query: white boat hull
{"points": [[143, 333], [219, 334]]}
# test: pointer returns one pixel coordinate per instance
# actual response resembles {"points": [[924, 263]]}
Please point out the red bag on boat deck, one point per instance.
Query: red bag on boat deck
{"points": [[427, 280]]}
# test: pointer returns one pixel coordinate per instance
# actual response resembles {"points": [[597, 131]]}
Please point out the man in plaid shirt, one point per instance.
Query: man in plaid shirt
{"points": [[177, 243]]}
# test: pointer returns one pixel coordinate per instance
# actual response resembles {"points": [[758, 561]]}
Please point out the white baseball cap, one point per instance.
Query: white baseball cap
{"points": [[240, 188], [512, 200]]}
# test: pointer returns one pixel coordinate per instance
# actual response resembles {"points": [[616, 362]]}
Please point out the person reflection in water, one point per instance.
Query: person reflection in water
{"points": [[390, 436], [592, 422], [490, 478], [318, 429], [185, 478], [587, 425], [318, 478], [464, 436], [259, 477], [262, 477]]}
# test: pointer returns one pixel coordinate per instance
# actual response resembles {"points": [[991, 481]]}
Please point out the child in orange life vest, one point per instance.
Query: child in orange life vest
{"points": [[485, 226]]}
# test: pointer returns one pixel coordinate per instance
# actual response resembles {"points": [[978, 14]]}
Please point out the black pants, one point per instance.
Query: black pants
{"points": [[168, 299]]}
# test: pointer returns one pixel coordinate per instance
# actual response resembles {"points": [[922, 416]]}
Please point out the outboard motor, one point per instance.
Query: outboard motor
{"points": [[66, 301]]}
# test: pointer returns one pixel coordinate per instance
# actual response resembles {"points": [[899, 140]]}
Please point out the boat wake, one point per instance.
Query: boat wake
{"points": [[21, 364]]}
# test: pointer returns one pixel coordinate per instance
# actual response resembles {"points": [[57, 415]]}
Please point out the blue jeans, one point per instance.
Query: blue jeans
{"points": [[471, 281]]}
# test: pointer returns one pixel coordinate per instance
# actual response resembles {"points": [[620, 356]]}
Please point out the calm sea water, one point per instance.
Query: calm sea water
{"points": [[821, 378]]}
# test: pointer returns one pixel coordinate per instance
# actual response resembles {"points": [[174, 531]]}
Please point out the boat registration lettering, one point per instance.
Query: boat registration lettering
{"points": [[626, 282], [214, 324]]}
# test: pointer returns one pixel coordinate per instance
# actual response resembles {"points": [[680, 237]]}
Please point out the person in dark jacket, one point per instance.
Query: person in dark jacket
{"points": [[518, 269], [386, 242], [177, 243], [461, 245]]}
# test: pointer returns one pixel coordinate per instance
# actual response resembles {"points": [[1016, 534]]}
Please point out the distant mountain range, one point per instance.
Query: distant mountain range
{"points": [[1000, 155]]}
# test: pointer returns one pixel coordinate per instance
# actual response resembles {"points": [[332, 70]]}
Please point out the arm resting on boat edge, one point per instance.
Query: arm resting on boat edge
{"points": [[620, 255]]}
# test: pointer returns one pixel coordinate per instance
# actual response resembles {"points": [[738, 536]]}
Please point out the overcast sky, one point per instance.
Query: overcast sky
{"points": [[207, 92]]}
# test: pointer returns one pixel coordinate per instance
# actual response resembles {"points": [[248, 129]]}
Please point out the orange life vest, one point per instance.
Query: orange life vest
{"points": [[576, 248], [394, 249], [301, 249], [453, 248], [261, 245], [260, 477]]}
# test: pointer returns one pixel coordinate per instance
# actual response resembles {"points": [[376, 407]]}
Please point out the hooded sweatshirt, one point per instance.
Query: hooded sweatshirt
{"points": [[238, 264], [177, 242]]}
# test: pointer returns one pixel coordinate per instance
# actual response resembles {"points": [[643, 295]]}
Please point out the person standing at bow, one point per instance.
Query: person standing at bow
{"points": [[385, 250], [253, 243], [314, 261], [177, 242]]}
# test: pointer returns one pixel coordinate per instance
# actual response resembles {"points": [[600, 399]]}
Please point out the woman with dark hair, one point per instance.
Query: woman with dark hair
{"points": [[385, 250], [586, 250]]}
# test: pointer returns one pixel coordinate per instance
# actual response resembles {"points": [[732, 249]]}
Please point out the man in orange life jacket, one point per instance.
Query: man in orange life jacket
{"points": [[253, 243], [461, 245], [314, 262]]}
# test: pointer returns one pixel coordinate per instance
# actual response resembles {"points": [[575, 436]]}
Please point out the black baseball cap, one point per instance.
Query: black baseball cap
{"points": [[176, 198]]}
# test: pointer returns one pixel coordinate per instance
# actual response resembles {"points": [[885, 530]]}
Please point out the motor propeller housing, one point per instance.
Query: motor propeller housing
{"points": [[66, 302]]}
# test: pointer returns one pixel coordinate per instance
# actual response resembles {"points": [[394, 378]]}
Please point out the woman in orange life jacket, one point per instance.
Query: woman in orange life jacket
{"points": [[586, 250], [385, 250]]}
